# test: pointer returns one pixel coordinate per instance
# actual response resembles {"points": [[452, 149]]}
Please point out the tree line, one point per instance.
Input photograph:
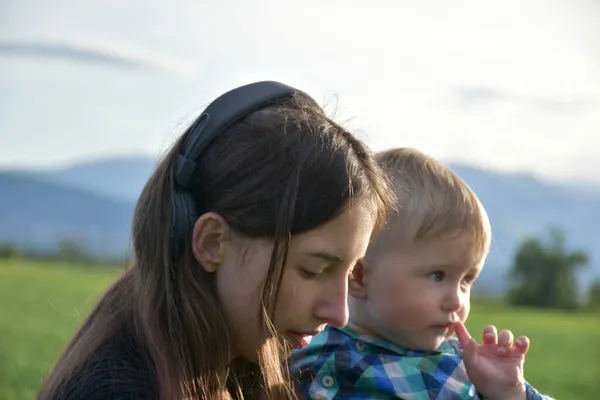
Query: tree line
{"points": [[544, 274], [67, 249]]}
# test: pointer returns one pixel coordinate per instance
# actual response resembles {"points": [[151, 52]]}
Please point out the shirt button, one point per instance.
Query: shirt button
{"points": [[360, 346], [327, 381]]}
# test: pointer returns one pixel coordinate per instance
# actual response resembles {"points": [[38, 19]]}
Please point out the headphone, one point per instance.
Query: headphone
{"points": [[223, 112]]}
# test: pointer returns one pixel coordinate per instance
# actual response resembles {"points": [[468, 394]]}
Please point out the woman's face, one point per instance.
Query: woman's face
{"points": [[314, 285]]}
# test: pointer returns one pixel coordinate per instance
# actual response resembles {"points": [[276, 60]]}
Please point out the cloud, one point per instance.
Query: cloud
{"points": [[95, 52], [488, 96]]}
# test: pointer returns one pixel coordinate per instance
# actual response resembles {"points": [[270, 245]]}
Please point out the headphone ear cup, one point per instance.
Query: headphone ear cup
{"points": [[184, 218]]}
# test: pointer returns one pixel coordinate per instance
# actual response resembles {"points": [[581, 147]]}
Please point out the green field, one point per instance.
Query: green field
{"points": [[41, 305]]}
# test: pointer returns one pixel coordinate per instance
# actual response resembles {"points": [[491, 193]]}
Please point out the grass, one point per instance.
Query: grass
{"points": [[41, 304], [564, 359], [40, 307]]}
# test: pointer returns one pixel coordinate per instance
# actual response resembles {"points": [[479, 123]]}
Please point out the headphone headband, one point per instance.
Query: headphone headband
{"points": [[216, 118], [220, 115]]}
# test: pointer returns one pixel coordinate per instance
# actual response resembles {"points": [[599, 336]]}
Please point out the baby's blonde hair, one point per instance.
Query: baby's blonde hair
{"points": [[433, 203]]}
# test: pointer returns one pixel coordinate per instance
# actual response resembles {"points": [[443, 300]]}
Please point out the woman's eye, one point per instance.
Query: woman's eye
{"points": [[436, 276], [309, 274]]}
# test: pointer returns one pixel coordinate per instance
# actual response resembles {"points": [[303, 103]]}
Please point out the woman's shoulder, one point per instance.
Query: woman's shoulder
{"points": [[119, 369]]}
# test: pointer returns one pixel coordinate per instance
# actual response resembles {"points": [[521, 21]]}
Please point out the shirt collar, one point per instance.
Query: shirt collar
{"points": [[445, 348]]}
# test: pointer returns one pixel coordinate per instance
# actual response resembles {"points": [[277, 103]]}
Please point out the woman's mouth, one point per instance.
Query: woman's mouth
{"points": [[300, 340]]}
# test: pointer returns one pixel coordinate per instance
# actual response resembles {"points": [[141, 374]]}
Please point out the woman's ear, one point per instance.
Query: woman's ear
{"points": [[209, 240], [356, 282]]}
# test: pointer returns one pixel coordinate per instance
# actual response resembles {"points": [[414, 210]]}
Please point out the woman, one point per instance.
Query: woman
{"points": [[244, 237]]}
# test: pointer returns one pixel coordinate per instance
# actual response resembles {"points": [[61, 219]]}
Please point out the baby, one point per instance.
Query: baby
{"points": [[408, 299]]}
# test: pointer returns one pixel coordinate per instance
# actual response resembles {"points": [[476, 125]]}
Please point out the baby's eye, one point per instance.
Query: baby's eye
{"points": [[436, 276], [468, 280]]}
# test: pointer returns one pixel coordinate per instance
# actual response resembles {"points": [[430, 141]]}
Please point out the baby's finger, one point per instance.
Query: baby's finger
{"points": [[468, 344], [490, 335], [505, 338], [522, 344], [462, 334], [508, 352]]}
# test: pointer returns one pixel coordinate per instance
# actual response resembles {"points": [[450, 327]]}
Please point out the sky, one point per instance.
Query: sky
{"points": [[510, 85]]}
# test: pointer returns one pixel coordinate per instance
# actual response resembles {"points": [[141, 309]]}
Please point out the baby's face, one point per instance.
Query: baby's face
{"points": [[414, 293]]}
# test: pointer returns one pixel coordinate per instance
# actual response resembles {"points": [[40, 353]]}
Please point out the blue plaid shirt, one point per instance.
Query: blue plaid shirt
{"points": [[339, 364]]}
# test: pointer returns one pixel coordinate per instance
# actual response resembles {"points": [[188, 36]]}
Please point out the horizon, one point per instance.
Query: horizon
{"points": [[507, 86], [592, 186]]}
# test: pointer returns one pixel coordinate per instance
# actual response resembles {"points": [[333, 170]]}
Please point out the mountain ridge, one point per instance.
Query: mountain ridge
{"points": [[95, 201]]}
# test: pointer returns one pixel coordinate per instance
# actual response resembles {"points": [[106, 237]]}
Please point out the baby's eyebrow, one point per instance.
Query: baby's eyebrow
{"points": [[451, 267], [439, 266]]}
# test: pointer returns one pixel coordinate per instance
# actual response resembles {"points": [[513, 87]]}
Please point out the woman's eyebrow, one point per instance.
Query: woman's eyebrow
{"points": [[326, 256]]}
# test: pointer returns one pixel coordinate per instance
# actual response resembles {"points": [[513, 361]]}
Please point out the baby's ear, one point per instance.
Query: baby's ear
{"points": [[356, 282]]}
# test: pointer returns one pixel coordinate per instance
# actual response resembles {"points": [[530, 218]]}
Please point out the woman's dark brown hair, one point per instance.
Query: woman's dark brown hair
{"points": [[282, 170]]}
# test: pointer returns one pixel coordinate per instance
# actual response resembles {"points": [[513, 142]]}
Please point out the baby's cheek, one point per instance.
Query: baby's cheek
{"points": [[400, 312], [383, 311], [464, 311]]}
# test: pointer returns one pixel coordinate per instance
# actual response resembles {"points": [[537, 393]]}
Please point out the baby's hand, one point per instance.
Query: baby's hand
{"points": [[496, 366]]}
